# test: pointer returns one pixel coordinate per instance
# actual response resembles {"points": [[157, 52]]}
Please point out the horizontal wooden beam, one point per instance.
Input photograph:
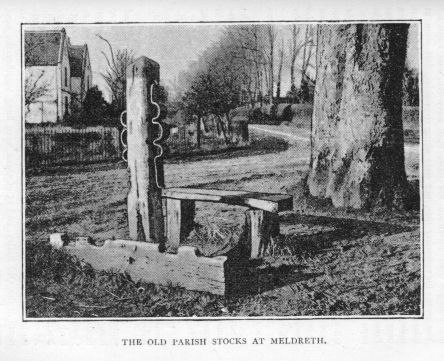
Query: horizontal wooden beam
{"points": [[270, 202], [143, 261]]}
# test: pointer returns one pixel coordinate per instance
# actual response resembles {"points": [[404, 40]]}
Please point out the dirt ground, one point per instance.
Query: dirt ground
{"points": [[325, 262]]}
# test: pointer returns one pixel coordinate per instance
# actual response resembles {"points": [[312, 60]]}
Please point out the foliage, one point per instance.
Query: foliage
{"points": [[115, 75], [95, 108], [410, 87], [95, 111], [245, 67], [161, 94], [35, 87]]}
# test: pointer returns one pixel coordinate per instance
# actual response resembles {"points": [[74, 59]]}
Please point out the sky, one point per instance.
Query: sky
{"points": [[173, 46]]}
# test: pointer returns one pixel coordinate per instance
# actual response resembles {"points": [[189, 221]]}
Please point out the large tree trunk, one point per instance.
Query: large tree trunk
{"points": [[357, 155]]}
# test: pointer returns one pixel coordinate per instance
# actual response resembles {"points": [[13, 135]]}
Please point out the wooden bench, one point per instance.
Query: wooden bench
{"points": [[262, 220]]}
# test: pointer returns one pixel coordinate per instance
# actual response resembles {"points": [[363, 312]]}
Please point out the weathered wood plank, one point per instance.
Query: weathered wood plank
{"points": [[180, 221], [260, 227], [144, 198], [270, 202], [144, 262]]}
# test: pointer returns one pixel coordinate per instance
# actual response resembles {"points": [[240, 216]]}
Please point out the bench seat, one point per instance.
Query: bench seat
{"points": [[270, 202], [261, 222]]}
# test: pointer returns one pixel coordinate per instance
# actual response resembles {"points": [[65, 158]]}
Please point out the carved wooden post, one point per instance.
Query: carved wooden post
{"points": [[145, 217]]}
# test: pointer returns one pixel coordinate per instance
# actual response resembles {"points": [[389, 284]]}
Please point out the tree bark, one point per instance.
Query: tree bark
{"points": [[357, 151], [198, 131]]}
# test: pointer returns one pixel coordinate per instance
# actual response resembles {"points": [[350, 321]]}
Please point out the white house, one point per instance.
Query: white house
{"points": [[56, 74], [47, 75]]}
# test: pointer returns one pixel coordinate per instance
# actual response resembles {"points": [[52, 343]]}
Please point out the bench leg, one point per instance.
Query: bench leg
{"points": [[260, 226], [180, 221]]}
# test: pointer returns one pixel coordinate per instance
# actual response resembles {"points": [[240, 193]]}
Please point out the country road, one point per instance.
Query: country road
{"points": [[211, 170], [288, 133]]}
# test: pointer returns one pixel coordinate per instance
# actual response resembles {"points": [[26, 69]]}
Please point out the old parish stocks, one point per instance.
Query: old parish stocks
{"points": [[184, 341]]}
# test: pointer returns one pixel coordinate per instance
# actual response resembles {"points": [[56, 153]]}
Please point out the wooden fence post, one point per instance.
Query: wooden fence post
{"points": [[145, 218]]}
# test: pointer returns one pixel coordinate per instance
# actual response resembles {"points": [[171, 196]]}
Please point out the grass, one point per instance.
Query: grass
{"points": [[325, 262], [59, 285], [373, 275]]}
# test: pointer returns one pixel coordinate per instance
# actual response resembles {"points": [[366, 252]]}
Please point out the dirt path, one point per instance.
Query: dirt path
{"points": [[296, 157], [287, 132]]}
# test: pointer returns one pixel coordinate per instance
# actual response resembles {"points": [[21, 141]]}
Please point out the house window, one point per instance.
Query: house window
{"points": [[66, 76]]}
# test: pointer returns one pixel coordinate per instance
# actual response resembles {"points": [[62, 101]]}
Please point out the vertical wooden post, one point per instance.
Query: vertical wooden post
{"points": [[145, 217], [180, 221], [260, 227]]}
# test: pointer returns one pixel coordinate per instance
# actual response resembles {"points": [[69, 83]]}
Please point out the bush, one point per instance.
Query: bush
{"points": [[265, 114], [95, 111], [239, 112], [283, 112], [410, 115]]}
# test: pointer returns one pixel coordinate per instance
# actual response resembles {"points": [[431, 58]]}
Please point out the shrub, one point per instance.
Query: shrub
{"points": [[283, 112]]}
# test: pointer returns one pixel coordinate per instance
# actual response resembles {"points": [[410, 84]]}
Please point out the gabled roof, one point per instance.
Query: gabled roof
{"points": [[43, 48], [77, 54]]}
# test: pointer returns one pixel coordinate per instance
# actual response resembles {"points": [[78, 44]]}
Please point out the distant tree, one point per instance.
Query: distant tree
{"points": [[279, 74], [296, 45], [309, 47], [95, 111], [196, 102], [215, 91], [248, 53], [294, 94], [35, 88], [271, 40], [410, 87], [162, 94], [115, 75]]}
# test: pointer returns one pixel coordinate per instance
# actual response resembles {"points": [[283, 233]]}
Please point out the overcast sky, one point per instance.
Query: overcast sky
{"points": [[173, 46]]}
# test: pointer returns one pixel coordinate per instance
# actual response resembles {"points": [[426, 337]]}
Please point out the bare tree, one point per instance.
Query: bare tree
{"points": [[271, 39], [248, 48], [296, 45], [35, 88], [309, 46], [115, 76], [279, 74]]}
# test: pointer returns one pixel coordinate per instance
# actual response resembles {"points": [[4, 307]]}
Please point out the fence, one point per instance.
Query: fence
{"points": [[62, 145], [214, 136]]}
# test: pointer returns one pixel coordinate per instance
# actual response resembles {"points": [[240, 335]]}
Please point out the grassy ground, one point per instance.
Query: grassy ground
{"points": [[325, 262]]}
